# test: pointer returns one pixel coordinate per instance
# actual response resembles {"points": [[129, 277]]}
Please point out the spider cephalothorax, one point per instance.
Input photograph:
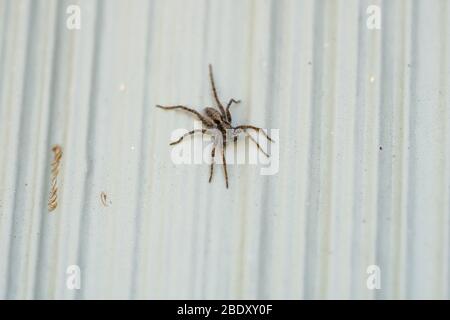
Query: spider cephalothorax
{"points": [[217, 123]]}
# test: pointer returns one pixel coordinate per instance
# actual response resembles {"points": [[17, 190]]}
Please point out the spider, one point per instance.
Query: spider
{"points": [[218, 125]]}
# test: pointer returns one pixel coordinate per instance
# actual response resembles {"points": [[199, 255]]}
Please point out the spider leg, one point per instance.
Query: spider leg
{"points": [[216, 97], [255, 128], [206, 122], [228, 108], [224, 146], [187, 134], [211, 170], [257, 144]]}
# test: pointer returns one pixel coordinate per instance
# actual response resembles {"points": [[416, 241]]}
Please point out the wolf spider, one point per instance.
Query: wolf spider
{"points": [[218, 125]]}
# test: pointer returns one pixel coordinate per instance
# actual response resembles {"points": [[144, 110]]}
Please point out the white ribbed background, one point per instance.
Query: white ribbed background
{"points": [[364, 149]]}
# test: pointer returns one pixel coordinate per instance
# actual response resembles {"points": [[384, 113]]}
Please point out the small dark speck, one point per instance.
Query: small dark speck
{"points": [[381, 148], [309, 62]]}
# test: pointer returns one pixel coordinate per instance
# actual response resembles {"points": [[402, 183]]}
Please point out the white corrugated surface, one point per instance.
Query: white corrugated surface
{"points": [[364, 149]]}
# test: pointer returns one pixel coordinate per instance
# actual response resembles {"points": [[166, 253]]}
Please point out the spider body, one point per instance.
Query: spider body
{"points": [[218, 124]]}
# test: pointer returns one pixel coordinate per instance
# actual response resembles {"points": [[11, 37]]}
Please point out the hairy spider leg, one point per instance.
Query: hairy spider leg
{"points": [[224, 146], [211, 170], [203, 131], [206, 122], [216, 97], [228, 108], [257, 144], [255, 128]]}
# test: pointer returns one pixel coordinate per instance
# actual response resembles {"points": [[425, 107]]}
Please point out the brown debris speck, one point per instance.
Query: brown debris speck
{"points": [[53, 198], [103, 198]]}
